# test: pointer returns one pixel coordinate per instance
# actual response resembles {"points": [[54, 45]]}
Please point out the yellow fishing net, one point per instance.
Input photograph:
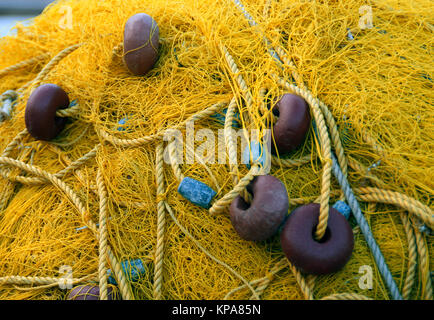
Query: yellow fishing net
{"points": [[375, 80]]}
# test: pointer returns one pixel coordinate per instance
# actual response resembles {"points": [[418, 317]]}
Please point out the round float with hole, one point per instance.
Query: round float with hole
{"points": [[40, 115], [323, 256], [91, 292], [262, 218]]}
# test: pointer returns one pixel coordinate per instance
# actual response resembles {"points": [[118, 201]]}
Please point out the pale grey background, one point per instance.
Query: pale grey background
{"points": [[12, 11]]}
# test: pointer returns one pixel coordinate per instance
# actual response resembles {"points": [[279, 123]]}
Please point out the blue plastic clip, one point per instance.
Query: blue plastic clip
{"points": [[343, 208], [196, 192], [122, 122], [350, 35], [132, 269]]}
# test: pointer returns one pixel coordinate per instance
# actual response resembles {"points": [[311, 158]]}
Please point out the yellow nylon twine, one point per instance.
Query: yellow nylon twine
{"points": [[371, 98]]}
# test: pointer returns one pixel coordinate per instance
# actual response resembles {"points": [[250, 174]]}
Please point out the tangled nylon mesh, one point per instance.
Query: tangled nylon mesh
{"points": [[377, 85]]}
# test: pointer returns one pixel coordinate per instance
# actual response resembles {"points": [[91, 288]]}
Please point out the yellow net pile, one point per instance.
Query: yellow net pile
{"points": [[377, 86]]}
